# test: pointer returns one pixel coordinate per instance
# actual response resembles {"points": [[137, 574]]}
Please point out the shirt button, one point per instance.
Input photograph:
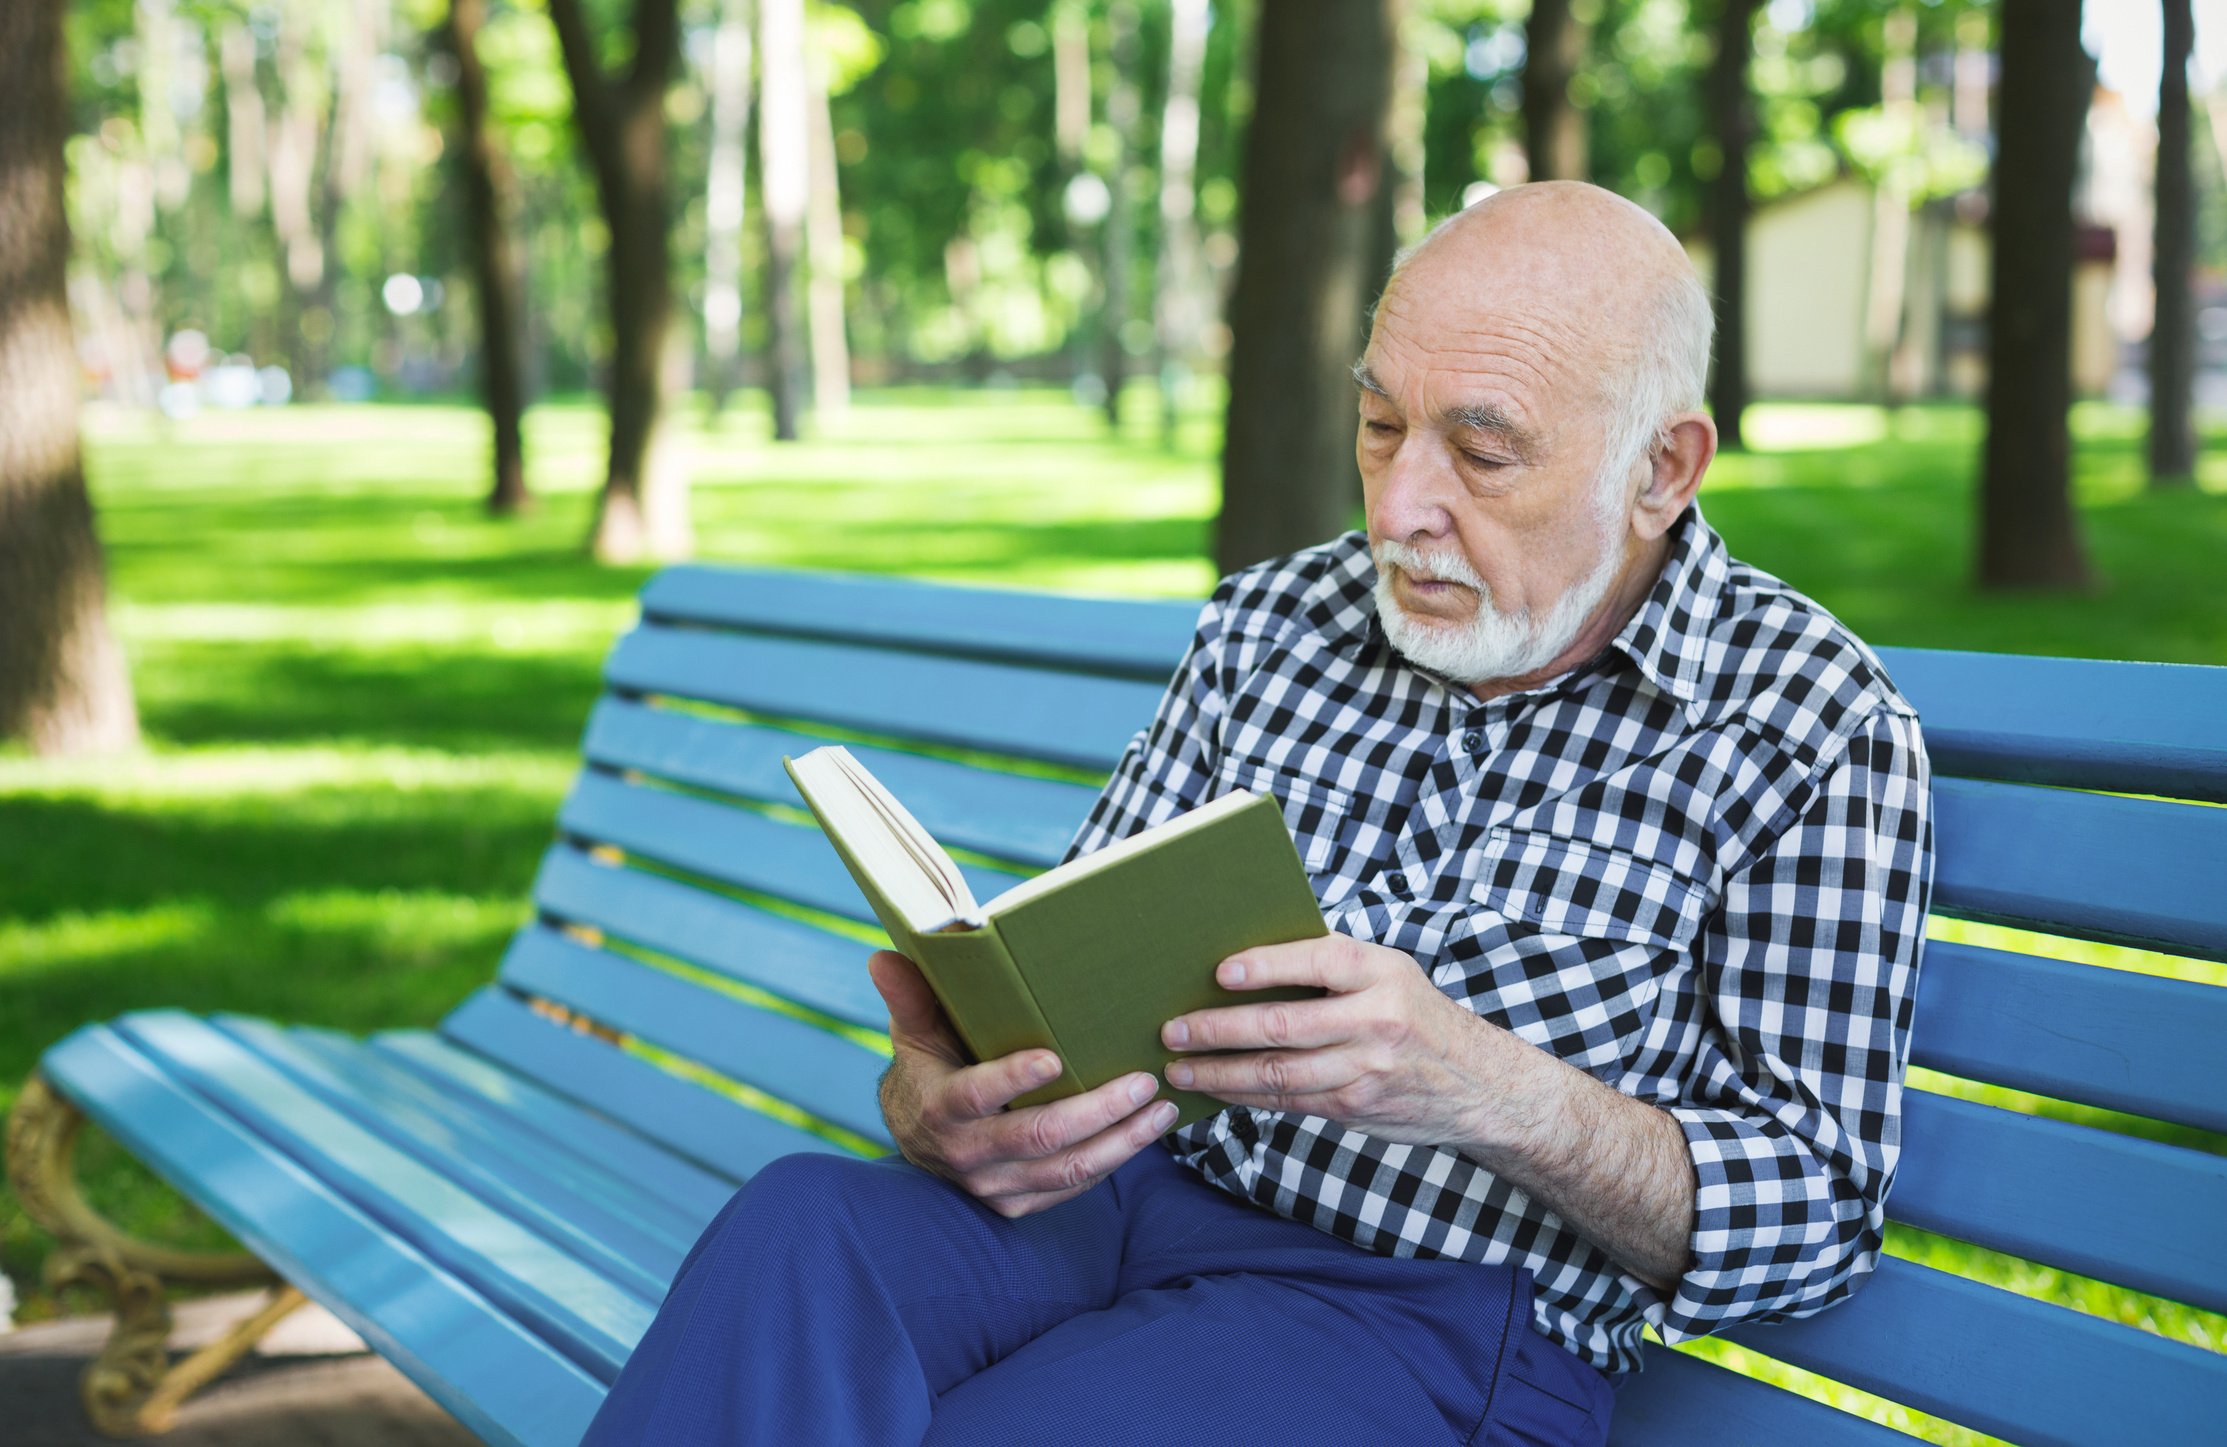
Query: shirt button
{"points": [[1398, 882], [1472, 742]]}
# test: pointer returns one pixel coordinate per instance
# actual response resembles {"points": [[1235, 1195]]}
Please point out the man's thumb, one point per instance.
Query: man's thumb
{"points": [[912, 1005]]}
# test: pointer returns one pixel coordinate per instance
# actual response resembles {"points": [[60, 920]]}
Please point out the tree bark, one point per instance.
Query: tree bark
{"points": [[2029, 537], [2172, 330], [63, 685], [1731, 117], [1314, 164], [724, 190], [489, 193], [1177, 283], [643, 510], [1124, 108], [1554, 140], [784, 172]]}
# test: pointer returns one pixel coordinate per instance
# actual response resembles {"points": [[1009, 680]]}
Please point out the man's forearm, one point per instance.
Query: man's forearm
{"points": [[1616, 1169]]}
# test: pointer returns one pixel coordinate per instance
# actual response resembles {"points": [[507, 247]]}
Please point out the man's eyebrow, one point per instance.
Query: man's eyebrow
{"points": [[1475, 416]]}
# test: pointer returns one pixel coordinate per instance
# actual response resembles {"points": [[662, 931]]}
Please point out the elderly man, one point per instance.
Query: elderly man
{"points": [[1624, 847]]}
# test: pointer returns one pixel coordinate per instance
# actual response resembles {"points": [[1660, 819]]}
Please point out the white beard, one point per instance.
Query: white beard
{"points": [[1491, 644]]}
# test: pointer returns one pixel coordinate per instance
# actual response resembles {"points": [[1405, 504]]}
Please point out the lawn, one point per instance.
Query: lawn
{"points": [[362, 698]]}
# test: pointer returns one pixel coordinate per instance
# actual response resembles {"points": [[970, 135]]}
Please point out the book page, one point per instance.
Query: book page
{"points": [[882, 841]]}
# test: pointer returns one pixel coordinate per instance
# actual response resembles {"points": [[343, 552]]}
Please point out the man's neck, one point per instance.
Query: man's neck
{"points": [[1642, 567]]}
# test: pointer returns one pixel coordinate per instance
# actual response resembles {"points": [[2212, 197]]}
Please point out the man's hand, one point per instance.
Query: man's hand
{"points": [[1385, 1052], [1389, 1055], [949, 1117]]}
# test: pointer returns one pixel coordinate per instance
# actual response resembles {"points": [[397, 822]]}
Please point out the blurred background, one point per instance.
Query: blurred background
{"points": [[359, 360]]}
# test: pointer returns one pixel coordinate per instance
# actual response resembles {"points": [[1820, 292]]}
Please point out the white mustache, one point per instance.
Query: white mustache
{"points": [[1442, 567]]}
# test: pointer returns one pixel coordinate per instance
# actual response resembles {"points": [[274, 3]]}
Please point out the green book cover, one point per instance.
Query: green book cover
{"points": [[1087, 960]]}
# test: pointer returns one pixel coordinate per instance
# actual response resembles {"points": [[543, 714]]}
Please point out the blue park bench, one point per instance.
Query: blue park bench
{"points": [[497, 1205]]}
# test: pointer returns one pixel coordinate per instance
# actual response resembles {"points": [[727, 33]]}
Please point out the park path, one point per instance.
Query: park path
{"points": [[310, 1384]]}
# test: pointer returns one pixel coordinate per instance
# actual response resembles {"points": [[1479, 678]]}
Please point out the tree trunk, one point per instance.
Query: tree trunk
{"points": [[643, 510], [63, 686], [1553, 127], [1887, 288], [1730, 117], [1314, 163], [724, 190], [823, 245], [2172, 331], [1071, 95], [784, 171], [1176, 287], [2029, 537], [488, 193], [1123, 108]]}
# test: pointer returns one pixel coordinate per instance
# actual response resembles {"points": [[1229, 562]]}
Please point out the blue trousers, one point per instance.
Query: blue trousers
{"points": [[845, 1301]]}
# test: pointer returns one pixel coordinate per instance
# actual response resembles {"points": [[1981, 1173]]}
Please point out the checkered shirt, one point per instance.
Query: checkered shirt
{"points": [[1695, 867]]}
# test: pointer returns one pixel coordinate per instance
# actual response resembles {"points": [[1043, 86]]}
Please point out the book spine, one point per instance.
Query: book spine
{"points": [[999, 1014]]}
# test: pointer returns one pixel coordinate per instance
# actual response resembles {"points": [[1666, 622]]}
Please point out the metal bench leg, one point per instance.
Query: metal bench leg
{"points": [[131, 1389]]}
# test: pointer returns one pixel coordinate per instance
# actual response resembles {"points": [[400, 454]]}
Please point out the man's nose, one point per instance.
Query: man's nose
{"points": [[1412, 500]]}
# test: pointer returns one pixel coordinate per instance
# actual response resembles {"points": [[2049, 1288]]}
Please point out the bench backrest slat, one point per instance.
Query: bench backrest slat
{"points": [[825, 1074], [2090, 1201]]}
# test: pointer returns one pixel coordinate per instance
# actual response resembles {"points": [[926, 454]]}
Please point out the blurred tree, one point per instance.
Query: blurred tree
{"points": [[643, 511], [1554, 141], [725, 186], [823, 244], [1731, 119], [1124, 112], [784, 178], [1177, 283], [63, 685], [1314, 162], [2172, 327], [490, 199], [2028, 534]]}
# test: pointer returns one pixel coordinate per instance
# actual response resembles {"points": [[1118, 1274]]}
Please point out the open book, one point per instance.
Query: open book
{"points": [[1090, 959]]}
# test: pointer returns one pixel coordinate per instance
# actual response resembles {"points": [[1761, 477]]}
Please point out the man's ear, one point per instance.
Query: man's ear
{"points": [[1674, 473]]}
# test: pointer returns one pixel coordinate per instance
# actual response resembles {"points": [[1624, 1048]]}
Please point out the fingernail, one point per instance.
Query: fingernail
{"points": [[1177, 1034], [1163, 1115], [1141, 1089], [1045, 1067], [1233, 972], [1179, 1074]]}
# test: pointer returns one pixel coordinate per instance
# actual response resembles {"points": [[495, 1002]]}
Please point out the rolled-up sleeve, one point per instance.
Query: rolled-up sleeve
{"points": [[1793, 1117]]}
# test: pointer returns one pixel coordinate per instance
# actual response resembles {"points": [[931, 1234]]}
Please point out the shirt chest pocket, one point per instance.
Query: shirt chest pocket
{"points": [[1565, 886], [1316, 814]]}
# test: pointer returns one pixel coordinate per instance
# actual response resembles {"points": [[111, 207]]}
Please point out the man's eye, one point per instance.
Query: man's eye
{"points": [[1478, 459], [1381, 429]]}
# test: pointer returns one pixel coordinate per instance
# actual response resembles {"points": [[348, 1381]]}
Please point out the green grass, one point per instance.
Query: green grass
{"points": [[362, 699]]}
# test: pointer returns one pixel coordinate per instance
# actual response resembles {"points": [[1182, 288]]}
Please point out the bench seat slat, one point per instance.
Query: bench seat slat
{"points": [[1679, 1400], [2003, 1364], [715, 1132], [2124, 1210], [557, 1123], [2127, 1042], [800, 962], [594, 1319], [479, 1362], [2140, 871], [2134, 728], [1013, 816], [733, 846], [826, 1075], [1061, 718], [563, 1202], [1138, 639]]}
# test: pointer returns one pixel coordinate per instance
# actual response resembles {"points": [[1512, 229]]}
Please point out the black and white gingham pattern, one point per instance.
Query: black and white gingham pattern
{"points": [[1696, 867]]}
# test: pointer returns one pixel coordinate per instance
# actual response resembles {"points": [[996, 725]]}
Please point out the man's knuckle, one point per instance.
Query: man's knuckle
{"points": [[1277, 1025]]}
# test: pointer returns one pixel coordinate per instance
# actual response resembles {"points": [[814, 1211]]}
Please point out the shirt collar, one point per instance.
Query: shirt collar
{"points": [[1666, 639]]}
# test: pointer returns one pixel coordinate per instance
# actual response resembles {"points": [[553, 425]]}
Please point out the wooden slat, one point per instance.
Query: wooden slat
{"points": [[1061, 718], [2138, 871], [1681, 1401], [591, 1318], [2132, 728], [799, 962], [562, 1201], [822, 1073], [2126, 1042], [729, 844], [1012, 816], [2124, 1210], [681, 1115], [504, 1383], [1136, 638], [557, 1123], [2003, 1364]]}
